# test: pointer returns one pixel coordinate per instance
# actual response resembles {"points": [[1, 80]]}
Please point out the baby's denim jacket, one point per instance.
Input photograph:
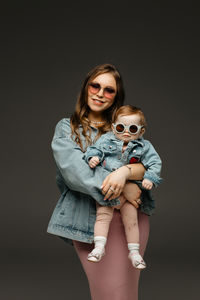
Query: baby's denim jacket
{"points": [[108, 148]]}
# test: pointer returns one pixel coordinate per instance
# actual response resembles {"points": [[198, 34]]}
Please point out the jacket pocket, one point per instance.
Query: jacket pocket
{"points": [[109, 147], [74, 211]]}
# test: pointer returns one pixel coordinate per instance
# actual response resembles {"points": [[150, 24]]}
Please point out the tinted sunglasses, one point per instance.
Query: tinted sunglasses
{"points": [[132, 129], [108, 92]]}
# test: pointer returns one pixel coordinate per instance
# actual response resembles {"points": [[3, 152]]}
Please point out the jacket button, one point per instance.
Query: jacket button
{"points": [[134, 151], [110, 147]]}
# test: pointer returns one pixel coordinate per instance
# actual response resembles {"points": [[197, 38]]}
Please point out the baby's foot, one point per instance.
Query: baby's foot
{"points": [[137, 260], [96, 254]]}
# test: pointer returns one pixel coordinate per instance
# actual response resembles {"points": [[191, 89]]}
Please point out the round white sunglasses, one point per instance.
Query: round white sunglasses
{"points": [[132, 128]]}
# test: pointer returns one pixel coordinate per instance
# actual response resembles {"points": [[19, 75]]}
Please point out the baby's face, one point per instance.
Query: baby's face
{"points": [[126, 136]]}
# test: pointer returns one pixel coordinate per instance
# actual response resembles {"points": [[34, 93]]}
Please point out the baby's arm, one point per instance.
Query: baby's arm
{"points": [[94, 161], [147, 184], [152, 163], [94, 154]]}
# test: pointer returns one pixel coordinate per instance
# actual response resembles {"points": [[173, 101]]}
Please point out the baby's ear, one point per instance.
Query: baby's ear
{"points": [[112, 127], [142, 131]]}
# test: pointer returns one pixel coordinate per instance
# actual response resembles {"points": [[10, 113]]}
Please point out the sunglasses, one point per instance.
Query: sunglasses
{"points": [[108, 92], [132, 129]]}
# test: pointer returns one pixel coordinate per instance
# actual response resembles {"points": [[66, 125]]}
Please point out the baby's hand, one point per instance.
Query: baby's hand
{"points": [[94, 161], [147, 184]]}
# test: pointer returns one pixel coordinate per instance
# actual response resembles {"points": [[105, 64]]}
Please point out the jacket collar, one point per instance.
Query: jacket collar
{"points": [[139, 141]]}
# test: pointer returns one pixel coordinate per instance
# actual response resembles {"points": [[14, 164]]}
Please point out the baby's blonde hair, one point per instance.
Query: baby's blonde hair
{"points": [[127, 110]]}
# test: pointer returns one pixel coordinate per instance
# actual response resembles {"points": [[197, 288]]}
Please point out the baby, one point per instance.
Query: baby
{"points": [[123, 145]]}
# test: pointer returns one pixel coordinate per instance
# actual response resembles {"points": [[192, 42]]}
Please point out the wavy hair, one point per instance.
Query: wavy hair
{"points": [[80, 116]]}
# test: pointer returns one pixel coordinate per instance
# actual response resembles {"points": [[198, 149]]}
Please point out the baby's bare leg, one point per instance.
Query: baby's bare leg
{"points": [[130, 221], [132, 193]]}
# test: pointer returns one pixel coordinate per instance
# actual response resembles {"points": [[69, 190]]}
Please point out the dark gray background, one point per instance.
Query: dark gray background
{"points": [[47, 49]]}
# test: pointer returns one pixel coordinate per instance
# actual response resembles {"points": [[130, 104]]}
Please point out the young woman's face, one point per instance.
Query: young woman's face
{"points": [[101, 92]]}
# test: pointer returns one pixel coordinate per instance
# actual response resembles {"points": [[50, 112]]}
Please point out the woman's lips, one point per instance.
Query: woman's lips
{"points": [[98, 102]]}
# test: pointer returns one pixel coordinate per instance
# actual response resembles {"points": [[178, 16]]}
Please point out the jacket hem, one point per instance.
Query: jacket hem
{"points": [[147, 212], [71, 233]]}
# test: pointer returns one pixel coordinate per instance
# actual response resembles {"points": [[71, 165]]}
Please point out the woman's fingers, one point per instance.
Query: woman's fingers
{"points": [[113, 192], [105, 187], [104, 183], [134, 203], [116, 180], [139, 201], [116, 193], [108, 191], [108, 195]]}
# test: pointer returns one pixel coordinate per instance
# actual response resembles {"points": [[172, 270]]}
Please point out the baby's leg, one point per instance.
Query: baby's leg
{"points": [[103, 219], [130, 221], [132, 193]]}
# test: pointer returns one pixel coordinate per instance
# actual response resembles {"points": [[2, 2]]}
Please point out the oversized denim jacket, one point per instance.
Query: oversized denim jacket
{"points": [[108, 148], [75, 213]]}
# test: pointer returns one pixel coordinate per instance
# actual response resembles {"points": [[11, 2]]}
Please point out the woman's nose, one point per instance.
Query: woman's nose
{"points": [[100, 93]]}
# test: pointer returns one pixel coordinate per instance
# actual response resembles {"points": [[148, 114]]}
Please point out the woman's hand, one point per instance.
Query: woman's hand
{"points": [[132, 193], [114, 183]]}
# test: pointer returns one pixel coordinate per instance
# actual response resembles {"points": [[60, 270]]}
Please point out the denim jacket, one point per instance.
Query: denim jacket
{"points": [[75, 213], [108, 148]]}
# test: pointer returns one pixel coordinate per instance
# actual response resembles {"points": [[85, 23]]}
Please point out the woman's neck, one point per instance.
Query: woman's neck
{"points": [[95, 117]]}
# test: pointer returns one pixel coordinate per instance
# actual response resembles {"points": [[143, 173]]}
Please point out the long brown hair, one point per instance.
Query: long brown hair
{"points": [[80, 116]]}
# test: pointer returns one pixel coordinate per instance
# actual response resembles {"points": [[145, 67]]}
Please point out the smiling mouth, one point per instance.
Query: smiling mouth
{"points": [[98, 101]]}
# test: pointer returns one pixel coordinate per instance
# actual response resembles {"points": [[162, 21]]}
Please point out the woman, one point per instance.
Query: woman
{"points": [[114, 277]]}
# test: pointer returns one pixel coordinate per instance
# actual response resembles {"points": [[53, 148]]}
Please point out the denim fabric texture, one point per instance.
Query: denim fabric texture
{"points": [[80, 186], [109, 150], [75, 213]]}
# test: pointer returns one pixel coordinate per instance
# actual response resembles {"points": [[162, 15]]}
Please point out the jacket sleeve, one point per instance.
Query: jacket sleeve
{"points": [[76, 173], [95, 150], [152, 163]]}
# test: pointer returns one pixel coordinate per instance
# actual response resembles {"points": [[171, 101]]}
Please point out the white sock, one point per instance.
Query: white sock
{"points": [[133, 247], [100, 241]]}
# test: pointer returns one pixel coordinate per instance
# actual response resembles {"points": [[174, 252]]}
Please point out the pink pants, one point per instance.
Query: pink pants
{"points": [[114, 277]]}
